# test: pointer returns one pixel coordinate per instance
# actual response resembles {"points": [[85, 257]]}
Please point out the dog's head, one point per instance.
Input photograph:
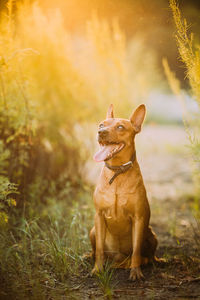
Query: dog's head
{"points": [[116, 135]]}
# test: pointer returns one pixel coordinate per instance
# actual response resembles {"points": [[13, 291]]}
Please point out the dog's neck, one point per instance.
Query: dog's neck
{"points": [[122, 168]]}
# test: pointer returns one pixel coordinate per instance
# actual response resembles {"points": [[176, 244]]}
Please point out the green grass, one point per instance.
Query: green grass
{"points": [[104, 279], [39, 256]]}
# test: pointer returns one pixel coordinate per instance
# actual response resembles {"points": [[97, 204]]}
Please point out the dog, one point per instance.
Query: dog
{"points": [[121, 231]]}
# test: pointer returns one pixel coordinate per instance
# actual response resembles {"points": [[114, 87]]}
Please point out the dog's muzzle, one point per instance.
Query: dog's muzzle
{"points": [[102, 133]]}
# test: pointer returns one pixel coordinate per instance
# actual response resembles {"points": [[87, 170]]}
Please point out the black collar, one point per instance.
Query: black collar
{"points": [[121, 169]]}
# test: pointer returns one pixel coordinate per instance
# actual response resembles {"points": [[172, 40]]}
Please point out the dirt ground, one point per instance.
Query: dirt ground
{"points": [[167, 169]]}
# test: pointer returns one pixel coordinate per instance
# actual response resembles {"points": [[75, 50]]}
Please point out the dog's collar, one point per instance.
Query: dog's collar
{"points": [[122, 168]]}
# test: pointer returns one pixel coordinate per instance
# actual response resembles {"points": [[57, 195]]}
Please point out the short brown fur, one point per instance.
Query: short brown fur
{"points": [[121, 231]]}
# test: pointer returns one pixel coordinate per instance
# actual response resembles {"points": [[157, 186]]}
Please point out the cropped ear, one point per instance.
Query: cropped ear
{"points": [[137, 117], [110, 113]]}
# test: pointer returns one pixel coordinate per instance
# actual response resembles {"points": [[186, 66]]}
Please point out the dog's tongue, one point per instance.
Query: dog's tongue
{"points": [[105, 152]]}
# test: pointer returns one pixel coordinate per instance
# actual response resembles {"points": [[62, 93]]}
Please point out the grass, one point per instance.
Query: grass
{"points": [[39, 257], [105, 278], [196, 235], [190, 56]]}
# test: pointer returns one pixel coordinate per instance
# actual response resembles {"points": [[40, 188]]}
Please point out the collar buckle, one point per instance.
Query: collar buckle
{"points": [[127, 164]]}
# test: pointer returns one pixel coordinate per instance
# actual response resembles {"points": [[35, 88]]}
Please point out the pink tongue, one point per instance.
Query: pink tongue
{"points": [[104, 152]]}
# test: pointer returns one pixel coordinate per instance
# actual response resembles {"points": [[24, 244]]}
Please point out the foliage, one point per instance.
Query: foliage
{"points": [[85, 72], [39, 166], [34, 143], [40, 256], [48, 86], [190, 56], [6, 200]]}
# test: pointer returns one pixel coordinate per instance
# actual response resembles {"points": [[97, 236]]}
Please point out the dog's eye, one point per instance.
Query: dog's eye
{"points": [[101, 126], [120, 127]]}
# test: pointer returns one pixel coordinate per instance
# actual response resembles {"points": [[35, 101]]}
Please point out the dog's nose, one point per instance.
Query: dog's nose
{"points": [[102, 132]]}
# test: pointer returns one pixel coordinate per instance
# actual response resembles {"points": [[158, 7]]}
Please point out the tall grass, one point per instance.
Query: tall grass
{"points": [[190, 56], [50, 81], [81, 74]]}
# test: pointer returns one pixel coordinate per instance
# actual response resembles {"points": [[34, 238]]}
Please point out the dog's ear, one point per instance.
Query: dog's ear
{"points": [[110, 113], [137, 117]]}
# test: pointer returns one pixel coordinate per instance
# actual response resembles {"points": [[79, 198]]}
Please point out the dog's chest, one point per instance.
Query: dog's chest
{"points": [[112, 205]]}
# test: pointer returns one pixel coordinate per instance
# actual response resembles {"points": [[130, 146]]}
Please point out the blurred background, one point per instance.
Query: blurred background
{"points": [[61, 64]]}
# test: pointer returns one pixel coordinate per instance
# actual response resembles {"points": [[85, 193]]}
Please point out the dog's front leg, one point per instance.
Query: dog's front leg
{"points": [[100, 240], [137, 239]]}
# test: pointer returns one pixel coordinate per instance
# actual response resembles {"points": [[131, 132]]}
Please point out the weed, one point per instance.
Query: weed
{"points": [[172, 224], [105, 278]]}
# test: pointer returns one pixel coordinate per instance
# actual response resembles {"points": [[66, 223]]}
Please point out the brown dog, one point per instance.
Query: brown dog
{"points": [[121, 228]]}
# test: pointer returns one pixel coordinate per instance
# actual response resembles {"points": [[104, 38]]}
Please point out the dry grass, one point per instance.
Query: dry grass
{"points": [[190, 56]]}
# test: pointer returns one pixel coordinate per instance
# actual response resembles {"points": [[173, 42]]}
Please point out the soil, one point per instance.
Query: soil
{"points": [[167, 171]]}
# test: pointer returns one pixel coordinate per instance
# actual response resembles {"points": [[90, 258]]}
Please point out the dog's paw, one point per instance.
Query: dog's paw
{"points": [[96, 270], [136, 274]]}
